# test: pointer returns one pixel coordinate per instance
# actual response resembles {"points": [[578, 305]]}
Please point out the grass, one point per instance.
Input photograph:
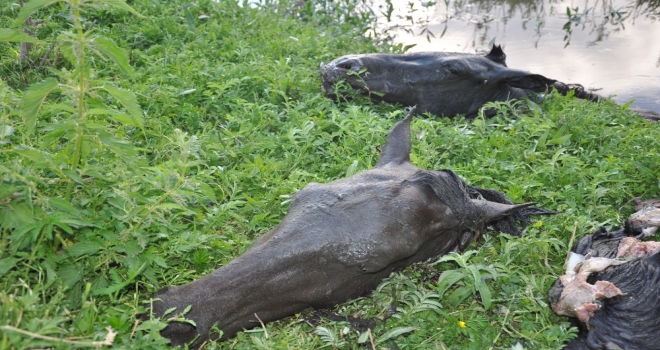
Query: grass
{"points": [[234, 123]]}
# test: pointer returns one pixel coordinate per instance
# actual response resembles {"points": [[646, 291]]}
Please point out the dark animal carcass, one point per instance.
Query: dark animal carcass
{"points": [[338, 241], [611, 287], [443, 83]]}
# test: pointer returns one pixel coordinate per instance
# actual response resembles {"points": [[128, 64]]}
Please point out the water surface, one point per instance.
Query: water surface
{"points": [[611, 46]]}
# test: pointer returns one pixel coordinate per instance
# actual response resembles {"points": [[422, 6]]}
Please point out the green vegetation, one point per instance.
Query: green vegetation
{"points": [[144, 146]]}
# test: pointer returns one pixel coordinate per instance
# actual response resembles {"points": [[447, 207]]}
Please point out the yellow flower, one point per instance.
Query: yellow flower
{"points": [[462, 324]]}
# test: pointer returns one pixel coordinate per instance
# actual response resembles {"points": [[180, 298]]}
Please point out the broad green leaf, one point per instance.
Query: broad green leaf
{"points": [[560, 136], [29, 8], [49, 265], [485, 294], [118, 202], [160, 261], [119, 146], [19, 215], [114, 53], [74, 176], [56, 131], [494, 273], [48, 231], [476, 275], [121, 4], [84, 248], [542, 140], [118, 116], [70, 274], [33, 99], [7, 264], [63, 107], [560, 139], [16, 36], [364, 337], [63, 205], [67, 49], [206, 190], [352, 169], [31, 154], [458, 295], [64, 227], [24, 235], [393, 333], [448, 279], [125, 119], [98, 282], [460, 259], [75, 222], [91, 125], [7, 190], [128, 100]]}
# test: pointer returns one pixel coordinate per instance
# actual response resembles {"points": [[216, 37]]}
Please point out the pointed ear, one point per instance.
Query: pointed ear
{"points": [[397, 148], [533, 82], [494, 210], [497, 55]]}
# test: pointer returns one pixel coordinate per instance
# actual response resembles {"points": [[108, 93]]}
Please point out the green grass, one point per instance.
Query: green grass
{"points": [[234, 123]]}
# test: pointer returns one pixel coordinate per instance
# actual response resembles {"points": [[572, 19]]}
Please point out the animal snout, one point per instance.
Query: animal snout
{"points": [[346, 64], [340, 68]]}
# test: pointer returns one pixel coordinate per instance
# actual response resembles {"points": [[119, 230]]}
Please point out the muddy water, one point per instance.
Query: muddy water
{"points": [[611, 46]]}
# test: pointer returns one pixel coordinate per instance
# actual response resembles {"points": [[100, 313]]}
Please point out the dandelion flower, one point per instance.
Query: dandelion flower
{"points": [[462, 324]]}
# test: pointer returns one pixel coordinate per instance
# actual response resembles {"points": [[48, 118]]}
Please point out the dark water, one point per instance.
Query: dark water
{"points": [[611, 46]]}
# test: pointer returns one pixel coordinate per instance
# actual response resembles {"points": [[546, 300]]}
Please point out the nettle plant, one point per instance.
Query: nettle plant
{"points": [[79, 205], [80, 202], [79, 85], [57, 137]]}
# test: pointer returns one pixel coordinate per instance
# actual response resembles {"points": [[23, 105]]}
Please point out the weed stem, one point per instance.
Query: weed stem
{"points": [[109, 338]]}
